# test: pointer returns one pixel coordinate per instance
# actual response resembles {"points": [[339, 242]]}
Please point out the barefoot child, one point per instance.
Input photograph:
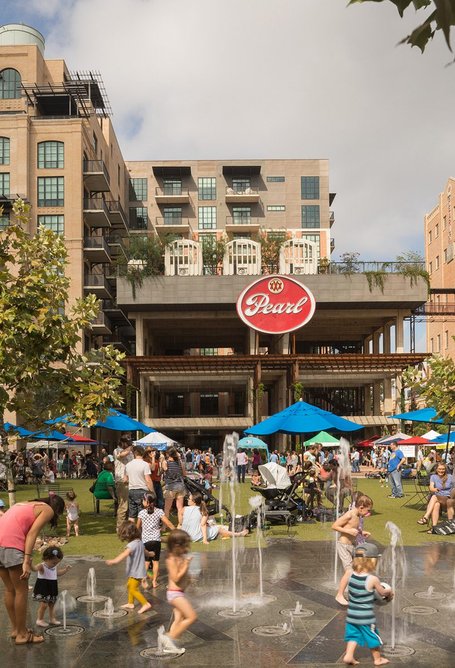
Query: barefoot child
{"points": [[45, 590], [360, 619], [149, 522], [350, 528], [135, 565], [72, 513], [177, 562]]}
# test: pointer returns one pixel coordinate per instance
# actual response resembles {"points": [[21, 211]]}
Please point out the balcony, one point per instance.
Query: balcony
{"points": [[96, 213], [242, 224], [101, 325], [98, 285], [172, 225], [172, 195], [331, 217], [115, 243], [115, 313], [97, 250], [117, 216], [96, 176], [249, 195]]}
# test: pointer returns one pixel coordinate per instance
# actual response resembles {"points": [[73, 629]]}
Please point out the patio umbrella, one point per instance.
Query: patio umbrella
{"points": [[253, 443], [115, 420], [21, 431], [302, 418], [325, 439], [394, 438], [157, 439], [431, 435]]}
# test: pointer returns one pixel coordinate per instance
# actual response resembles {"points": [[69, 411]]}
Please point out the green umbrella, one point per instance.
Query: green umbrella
{"points": [[324, 438]]}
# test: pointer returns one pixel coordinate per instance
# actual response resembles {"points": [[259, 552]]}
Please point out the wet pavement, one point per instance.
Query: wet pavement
{"points": [[293, 572]]}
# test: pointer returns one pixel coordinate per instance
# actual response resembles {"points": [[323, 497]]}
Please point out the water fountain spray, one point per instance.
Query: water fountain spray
{"points": [[257, 503], [343, 474]]}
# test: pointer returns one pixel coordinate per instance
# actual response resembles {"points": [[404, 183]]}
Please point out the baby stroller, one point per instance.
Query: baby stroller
{"points": [[282, 501], [193, 483]]}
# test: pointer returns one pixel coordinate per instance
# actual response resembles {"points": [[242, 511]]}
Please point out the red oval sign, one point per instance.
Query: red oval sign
{"points": [[276, 305]]}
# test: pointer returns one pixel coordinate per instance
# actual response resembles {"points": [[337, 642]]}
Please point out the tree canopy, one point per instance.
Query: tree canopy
{"points": [[440, 18], [435, 384], [43, 372]]}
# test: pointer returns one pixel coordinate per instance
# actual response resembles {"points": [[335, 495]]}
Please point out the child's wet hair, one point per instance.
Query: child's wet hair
{"points": [[360, 564], [178, 542], [128, 531], [52, 552], [364, 501]]}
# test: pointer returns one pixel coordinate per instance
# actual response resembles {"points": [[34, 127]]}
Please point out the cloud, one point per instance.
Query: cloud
{"points": [[246, 79]]}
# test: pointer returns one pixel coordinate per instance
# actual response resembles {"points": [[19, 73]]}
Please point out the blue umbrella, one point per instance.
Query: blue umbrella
{"points": [[21, 431], [427, 415], [443, 438], [302, 418], [51, 435], [249, 442], [115, 420]]}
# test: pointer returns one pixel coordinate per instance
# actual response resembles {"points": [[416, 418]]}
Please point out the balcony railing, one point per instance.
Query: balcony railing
{"points": [[171, 222], [172, 194], [99, 285], [96, 175], [245, 195], [97, 249], [242, 221], [117, 215], [96, 213], [362, 267]]}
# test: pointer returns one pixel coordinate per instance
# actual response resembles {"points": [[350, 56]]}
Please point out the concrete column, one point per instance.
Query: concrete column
{"points": [[388, 400], [399, 333], [283, 344], [250, 399], [386, 339], [144, 408], [376, 398], [367, 390], [139, 335], [252, 342], [366, 344], [376, 341]]}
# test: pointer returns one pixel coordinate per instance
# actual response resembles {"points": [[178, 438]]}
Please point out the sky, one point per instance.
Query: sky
{"points": [[250, 79]]}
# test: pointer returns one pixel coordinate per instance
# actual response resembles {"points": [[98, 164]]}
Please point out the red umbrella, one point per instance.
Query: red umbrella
{"points": [[77, 438], [368, 442], [414, 440]]}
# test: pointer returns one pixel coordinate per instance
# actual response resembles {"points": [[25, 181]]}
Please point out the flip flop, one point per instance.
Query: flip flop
{"points": [[422, 520], [31, 638]]}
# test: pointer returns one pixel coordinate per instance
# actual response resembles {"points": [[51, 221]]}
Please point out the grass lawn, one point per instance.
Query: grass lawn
{"points": [[98, 535]]}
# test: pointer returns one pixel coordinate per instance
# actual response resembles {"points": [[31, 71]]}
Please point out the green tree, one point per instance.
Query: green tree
{"points": [[434, 382], [43, 374], [441, 17]]}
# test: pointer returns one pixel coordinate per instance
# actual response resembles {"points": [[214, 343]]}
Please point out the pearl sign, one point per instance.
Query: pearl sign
{"points": [[276, 305]]}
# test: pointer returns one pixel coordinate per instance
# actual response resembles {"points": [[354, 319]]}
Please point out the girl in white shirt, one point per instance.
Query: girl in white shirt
{"points": [[149, 521]]}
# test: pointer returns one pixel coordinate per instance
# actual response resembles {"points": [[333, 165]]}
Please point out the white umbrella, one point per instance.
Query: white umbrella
{"points": [[431, 435], [157, 439]]}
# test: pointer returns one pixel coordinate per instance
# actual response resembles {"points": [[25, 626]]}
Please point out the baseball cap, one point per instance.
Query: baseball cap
{"points": [[2, 504], [368, 550]]}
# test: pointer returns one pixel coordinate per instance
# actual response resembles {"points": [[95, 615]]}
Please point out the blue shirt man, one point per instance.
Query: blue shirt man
{"points": [[394, 470]]}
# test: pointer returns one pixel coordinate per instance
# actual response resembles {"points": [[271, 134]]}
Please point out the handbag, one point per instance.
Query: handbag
{"points": [[92, 487], [446, 528]]}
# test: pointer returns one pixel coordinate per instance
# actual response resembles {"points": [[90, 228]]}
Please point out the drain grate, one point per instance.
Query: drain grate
{"points": [[420, 610], [397, 651], [91, 599], [303, 612], [433, 595], [274, 631], [60, 632], [235, 613], [114, 615], [156, 653]]}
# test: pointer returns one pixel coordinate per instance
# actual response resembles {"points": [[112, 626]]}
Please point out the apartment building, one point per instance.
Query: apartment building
{"points": [[440, 262], [168, 246]]}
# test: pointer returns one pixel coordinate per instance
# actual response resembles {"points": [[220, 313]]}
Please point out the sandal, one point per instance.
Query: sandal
{"points": [[430, 531], [31, 638], [423, 520]]}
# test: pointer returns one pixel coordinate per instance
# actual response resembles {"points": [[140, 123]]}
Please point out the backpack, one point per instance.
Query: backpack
{"points": [[445, 528]]}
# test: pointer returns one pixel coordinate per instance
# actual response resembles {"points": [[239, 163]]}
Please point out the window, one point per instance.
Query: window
{"points": [[172, 186], [209, 404], [138, 218], [174, 404], [445, 254], [431, 346], [10, 84], [310, 187], [207, 218], [311, 215], [172, 215], [4, 221], [51, 191], [241, 215], [54, 223], [276, 207], [241, 235], [438, 349], [314, 238], [446, 339], [4, 150], [436, 231], [138, 190], [429, 237], [95, 145], [207, 187], [208, 351], [240, 185], [276, 179], [436, 263], [444, 222], [4, 183], [50, 155], [430, 268]]}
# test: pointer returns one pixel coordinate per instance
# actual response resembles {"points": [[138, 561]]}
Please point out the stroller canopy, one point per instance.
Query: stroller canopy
{"points": [[274, 475]]}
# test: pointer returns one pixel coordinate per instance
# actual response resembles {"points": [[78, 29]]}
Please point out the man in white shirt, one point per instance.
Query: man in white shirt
{"points": [[139, 479], [122, 455]]}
